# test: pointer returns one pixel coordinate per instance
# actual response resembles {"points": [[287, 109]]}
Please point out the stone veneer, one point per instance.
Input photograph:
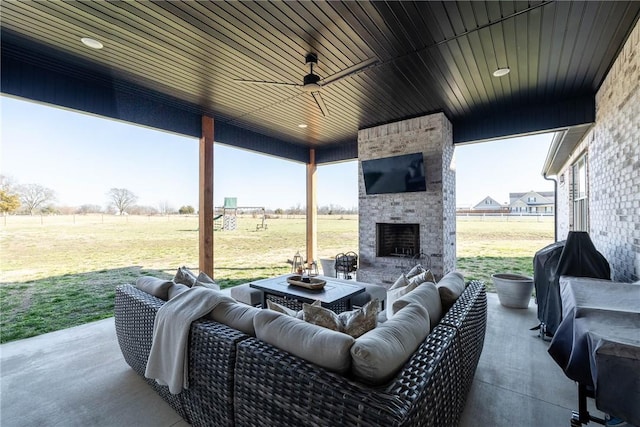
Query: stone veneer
{"points": [[613, 167], [434, 209]]}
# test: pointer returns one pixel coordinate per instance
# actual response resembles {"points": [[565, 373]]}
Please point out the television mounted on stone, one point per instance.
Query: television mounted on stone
{"points": [[397, 174]]}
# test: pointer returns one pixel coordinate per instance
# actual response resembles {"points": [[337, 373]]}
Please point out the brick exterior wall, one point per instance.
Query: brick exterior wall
{"points": [[613, 167], [434, 209]]}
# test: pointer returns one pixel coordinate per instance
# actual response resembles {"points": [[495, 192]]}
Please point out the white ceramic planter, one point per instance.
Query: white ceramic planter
{"points": [[514, 290], [328, 267]]}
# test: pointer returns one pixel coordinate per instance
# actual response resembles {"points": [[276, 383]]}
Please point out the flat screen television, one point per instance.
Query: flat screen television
{"points": [[397, 174]]}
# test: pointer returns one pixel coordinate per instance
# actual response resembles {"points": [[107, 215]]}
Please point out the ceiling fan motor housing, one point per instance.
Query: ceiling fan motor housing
{"points": [[310, 83]]}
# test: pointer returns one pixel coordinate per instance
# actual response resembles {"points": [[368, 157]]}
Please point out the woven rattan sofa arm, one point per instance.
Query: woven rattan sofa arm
{"points": [[469, 317], [472, 301], [135, 312], [212, 356]]}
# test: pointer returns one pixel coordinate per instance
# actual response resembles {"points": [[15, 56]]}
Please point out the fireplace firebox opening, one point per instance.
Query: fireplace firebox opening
{"points": [[397, 240]]}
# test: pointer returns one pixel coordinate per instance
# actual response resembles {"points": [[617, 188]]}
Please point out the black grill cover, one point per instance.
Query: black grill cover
{"points": [[578, 257], [545, 264]]}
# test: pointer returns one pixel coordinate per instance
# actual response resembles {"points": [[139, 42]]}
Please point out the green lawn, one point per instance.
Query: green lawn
{"points": [[61, 271], [500, 245]]}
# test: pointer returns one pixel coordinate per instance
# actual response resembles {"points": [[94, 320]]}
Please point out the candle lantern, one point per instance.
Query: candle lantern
{"points": [[297, 264], [312, 267]]}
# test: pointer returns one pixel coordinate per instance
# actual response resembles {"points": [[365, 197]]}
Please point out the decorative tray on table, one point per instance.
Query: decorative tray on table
{"points": [[313, 283]]}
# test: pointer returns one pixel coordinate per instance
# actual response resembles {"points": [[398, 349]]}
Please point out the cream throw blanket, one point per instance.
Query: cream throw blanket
{"points": [[168, 360]]}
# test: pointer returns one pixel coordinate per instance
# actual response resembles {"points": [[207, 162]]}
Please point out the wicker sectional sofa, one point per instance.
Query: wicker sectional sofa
{"points": [[236, 379]]}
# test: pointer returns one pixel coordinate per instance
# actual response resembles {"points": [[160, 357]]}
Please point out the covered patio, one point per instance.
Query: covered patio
{"points": [[516, 383], [306, 82]]}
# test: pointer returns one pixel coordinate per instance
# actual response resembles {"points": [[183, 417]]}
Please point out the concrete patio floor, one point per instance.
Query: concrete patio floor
{"points": [[78, 377]]}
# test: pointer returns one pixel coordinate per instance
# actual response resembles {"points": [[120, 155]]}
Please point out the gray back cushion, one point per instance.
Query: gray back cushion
{"points": [[152, 285], [380, 353], [450, 287], [427, 296], [236, 315], [324, 347]]}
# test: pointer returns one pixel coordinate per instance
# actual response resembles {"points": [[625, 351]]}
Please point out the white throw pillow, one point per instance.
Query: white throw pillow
{"points": [[394, 294], [271, 305], [281, 308], [360, 321], [417, 269], [400, 282], [185, 277], [425, 276], [354, 323], [206, 281]]}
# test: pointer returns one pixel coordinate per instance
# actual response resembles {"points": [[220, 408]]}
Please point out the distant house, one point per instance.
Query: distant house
{"points": [[488, 204], [535, 202]]}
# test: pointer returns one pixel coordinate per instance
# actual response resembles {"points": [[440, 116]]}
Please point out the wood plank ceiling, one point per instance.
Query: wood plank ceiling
{"points": [[422, 57]]}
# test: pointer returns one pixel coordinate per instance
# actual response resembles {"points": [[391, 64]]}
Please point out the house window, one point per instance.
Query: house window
{"points": [[580, 195]]}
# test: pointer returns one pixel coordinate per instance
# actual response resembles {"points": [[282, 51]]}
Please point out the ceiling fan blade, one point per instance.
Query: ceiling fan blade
{"points": [[320, 102], [264, 82], [351, 71]]}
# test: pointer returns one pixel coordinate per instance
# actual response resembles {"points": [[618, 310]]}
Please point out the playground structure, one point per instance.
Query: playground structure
{"points": [[228, 219]]}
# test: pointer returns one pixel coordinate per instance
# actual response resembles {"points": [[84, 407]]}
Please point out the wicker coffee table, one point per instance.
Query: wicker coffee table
{"points": [[336, 296]]}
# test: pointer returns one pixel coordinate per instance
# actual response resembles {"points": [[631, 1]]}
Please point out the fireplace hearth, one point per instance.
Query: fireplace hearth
{"points": [[397, 240]]}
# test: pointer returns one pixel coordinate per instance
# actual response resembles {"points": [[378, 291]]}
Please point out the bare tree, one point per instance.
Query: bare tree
{"points": [[8, 184], [122, 199], [35, 195]]}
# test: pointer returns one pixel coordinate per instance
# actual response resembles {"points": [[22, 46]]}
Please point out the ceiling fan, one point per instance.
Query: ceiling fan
{"points": [[313, 84]]}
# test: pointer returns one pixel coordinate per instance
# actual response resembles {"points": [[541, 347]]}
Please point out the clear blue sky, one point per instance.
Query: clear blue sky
{"points": [[81, 157]]}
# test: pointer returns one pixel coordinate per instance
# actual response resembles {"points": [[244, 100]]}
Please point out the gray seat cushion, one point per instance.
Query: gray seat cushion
{"points": [[247, 294]]}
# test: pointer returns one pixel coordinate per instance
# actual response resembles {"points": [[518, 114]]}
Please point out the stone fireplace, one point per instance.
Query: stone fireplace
{"points": [[399, 230]]}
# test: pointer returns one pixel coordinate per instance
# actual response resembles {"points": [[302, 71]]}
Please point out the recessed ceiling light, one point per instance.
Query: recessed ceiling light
{"points": [[92, 43], [302, 125], [501, 72]]}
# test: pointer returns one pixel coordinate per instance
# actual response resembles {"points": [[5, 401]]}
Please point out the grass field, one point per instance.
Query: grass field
{"points": [[500, 245], [61, 271]]}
